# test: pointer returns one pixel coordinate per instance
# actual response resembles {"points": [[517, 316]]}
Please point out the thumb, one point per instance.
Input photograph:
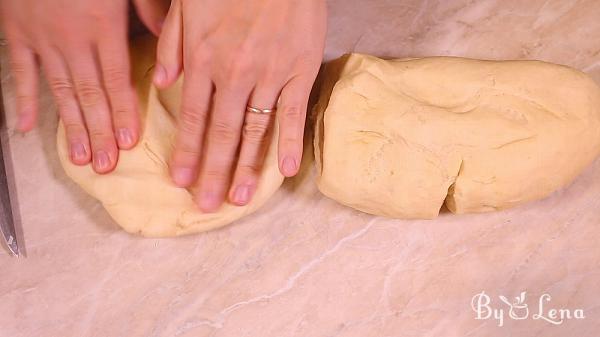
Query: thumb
{"points": [[169, 54], [152, 13]]}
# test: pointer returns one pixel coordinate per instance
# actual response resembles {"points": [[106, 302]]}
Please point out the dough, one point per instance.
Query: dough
{"points": [[139, 194], [400, 138]]}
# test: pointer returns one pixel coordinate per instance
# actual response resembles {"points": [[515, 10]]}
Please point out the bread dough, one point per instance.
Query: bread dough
{"points": [[400, 138], [139, 194]]}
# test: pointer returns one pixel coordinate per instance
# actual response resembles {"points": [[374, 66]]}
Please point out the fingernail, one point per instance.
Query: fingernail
{"points": [[124, 137], [208, 202], [101, 160], [160, 75], [241, 195], [182, 176], [289, 166], [78, 152]]}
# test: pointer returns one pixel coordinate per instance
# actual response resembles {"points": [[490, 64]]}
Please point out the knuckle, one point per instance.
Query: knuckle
{"points": [[73, 128], [99, 14], [202, 56], [62, 89], [124, 118], [122, 114], [184, 3], [290, 139], [100, 134], [255, 132], [215, 174], [197, 55], [292, 112], [89, 92], [238, 68], [223, 132], [187, 149], [249, 170], [60, 83], [191, 120], [116, 79], [248, 46], [24, 97], [187, 127], [17, 68], [308, 59], [273, 75]]}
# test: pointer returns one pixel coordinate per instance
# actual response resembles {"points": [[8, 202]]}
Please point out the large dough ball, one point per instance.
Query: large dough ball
{"points": [[139, 193], [400, 138]]}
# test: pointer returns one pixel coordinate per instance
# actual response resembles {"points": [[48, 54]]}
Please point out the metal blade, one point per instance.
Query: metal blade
{"points": [[7, 223]]}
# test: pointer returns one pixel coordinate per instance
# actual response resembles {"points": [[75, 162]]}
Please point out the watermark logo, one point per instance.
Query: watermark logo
{"points": [[517, 309]]}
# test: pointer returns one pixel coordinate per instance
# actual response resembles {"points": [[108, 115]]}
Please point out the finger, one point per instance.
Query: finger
{"points": [[192, 120], [114, 60], [95, 108], [62, 89], [256, 137], [222, 143], [152, 13], [169, 56], [24, 67], [291, 114]]}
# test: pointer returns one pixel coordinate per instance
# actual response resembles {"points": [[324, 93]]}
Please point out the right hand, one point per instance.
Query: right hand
{"points": [[259, 53], [82, 47]]}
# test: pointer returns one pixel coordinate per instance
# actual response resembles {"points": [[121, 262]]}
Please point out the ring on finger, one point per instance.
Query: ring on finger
{"points": [[260, 111]]}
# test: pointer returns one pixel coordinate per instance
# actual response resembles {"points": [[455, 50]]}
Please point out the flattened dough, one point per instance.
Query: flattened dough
{"points": [[139, 194], [400, 138]]}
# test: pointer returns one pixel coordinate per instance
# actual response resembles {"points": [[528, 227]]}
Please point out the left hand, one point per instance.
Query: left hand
{"points": [[259, 53]]}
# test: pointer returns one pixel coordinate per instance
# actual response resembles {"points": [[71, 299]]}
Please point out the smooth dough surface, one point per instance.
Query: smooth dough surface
{"points": [[400, 138], [139, 194]]}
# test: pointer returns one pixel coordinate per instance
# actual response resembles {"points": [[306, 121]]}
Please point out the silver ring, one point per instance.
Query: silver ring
{"points": [[259, 111]]}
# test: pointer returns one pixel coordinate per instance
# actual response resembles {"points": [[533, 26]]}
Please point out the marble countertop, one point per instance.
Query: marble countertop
{"points": [[304, 265]]}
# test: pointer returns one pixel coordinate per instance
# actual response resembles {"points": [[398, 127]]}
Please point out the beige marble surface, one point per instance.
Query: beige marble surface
{"points": [[303, 265]]}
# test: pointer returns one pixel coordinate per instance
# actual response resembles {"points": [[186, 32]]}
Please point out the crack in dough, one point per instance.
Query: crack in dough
{"points": [[400, 138]]}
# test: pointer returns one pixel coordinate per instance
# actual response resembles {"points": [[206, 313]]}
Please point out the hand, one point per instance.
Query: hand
{"points": [[152, 13], [82, 48], [259, 53]]}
